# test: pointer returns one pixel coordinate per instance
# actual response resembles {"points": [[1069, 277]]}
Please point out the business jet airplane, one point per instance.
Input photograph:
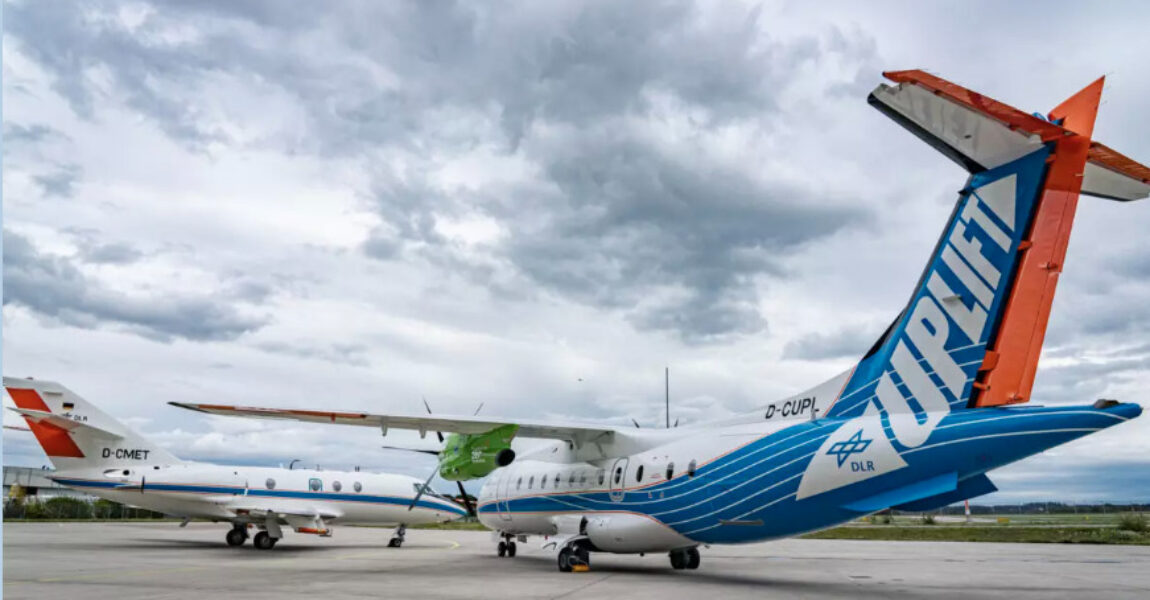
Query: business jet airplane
{"points": [[916, 424], [94, 453]]}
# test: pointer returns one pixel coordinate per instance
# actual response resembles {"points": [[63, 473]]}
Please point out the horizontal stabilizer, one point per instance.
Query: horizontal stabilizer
{"points": [[982, 133], [918, 490], [972, 487], [39, 416]]}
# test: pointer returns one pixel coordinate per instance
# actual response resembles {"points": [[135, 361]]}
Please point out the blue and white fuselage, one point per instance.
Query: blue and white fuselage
{"points": [[770, 479]]}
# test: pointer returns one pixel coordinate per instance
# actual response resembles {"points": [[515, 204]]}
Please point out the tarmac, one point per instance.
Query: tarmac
{"points": [[125, 561]]}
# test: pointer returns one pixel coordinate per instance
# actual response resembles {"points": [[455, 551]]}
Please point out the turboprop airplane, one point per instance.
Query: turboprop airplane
{"points": [[94, 453], [916, 424]]}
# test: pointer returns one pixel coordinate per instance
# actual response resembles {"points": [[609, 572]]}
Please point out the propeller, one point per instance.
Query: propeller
{"points": [[423, 488]]}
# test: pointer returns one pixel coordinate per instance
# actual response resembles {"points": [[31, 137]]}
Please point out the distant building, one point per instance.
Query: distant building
{"points": [[36, 484]]}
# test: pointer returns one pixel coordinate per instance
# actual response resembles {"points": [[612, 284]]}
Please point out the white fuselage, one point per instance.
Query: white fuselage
{"points": [[219, 492]]}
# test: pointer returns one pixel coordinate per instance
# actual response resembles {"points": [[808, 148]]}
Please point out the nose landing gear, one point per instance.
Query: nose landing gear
{"points": [[506, 546], [397, 538]]}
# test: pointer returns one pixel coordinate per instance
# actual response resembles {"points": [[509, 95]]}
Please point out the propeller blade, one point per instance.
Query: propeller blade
{"points": [[676, 422], [636, 423], [476, 413], [466, 501], [422, 489], [438, 434], [419, 450]]}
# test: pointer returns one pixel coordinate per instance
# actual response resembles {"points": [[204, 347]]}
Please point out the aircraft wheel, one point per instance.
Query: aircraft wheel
{"points": [[263, 541], [511, 548], [678, 559], [693, 558], [236, 537], [501, 549], [394, 543], [582, 556], [565, 560]]}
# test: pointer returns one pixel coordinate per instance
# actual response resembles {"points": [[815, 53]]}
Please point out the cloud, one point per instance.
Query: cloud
{"points": [[15, 133], [59, 183], [615, 217], [851, 341], [53, 287], [536, 205]]}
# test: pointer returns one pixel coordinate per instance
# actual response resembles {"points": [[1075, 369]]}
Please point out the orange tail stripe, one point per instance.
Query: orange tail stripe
{"points": [[55, 441], [1023, 329]]}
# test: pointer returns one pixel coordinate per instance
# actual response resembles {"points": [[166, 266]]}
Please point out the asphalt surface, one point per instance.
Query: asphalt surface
{"points": [[124, 561]]}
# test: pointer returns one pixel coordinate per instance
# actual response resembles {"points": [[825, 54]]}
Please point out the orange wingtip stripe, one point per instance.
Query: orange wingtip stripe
{"points": [[1012, 117]]}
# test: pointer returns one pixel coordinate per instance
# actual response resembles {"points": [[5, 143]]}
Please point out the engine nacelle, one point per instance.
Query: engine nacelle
{"points": [[629, 533], [504, 457], [475, 455]]}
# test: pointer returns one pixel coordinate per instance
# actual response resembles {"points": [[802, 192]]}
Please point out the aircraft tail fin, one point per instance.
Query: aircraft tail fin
{"points": [[77, 435], [972, 332]]}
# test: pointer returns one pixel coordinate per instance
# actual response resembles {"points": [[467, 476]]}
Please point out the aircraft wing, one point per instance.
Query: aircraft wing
{"points": [[576, 433]]}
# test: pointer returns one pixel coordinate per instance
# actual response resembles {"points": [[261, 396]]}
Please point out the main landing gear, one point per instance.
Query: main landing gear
{"points": [[237, 536], [574, 556], [397, 537], [264, 541], [506, 546], [687, 558]]}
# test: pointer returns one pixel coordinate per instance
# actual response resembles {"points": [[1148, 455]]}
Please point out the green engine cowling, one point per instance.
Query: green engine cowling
{"points": [[474, 455]]}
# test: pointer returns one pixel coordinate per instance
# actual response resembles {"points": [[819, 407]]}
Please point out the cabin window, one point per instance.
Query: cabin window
{"points": [[519, 484], [618, 475], [670, 470], [639, 474], [531, 482], [582, 477], [571, 479], [358, 487], [315, 484], [691, 468], [271, 483], [602, 476], [337, 486], [557, 477], [543, 482]]}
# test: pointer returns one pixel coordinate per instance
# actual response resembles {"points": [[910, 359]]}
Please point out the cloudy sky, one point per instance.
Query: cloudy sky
{"points": [[531, 205]]}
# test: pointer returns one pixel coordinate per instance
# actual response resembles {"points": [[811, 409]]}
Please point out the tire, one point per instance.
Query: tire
{"points": [[693, 558], [263, 541], [501, 549], [511, 548], [565, 560], [582, 556], [394, 543], [678, 559], [236, 537]]}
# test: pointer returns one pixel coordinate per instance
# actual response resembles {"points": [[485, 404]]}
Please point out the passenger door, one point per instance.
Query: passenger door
{"points": [[618, 479], [502, 491]]}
